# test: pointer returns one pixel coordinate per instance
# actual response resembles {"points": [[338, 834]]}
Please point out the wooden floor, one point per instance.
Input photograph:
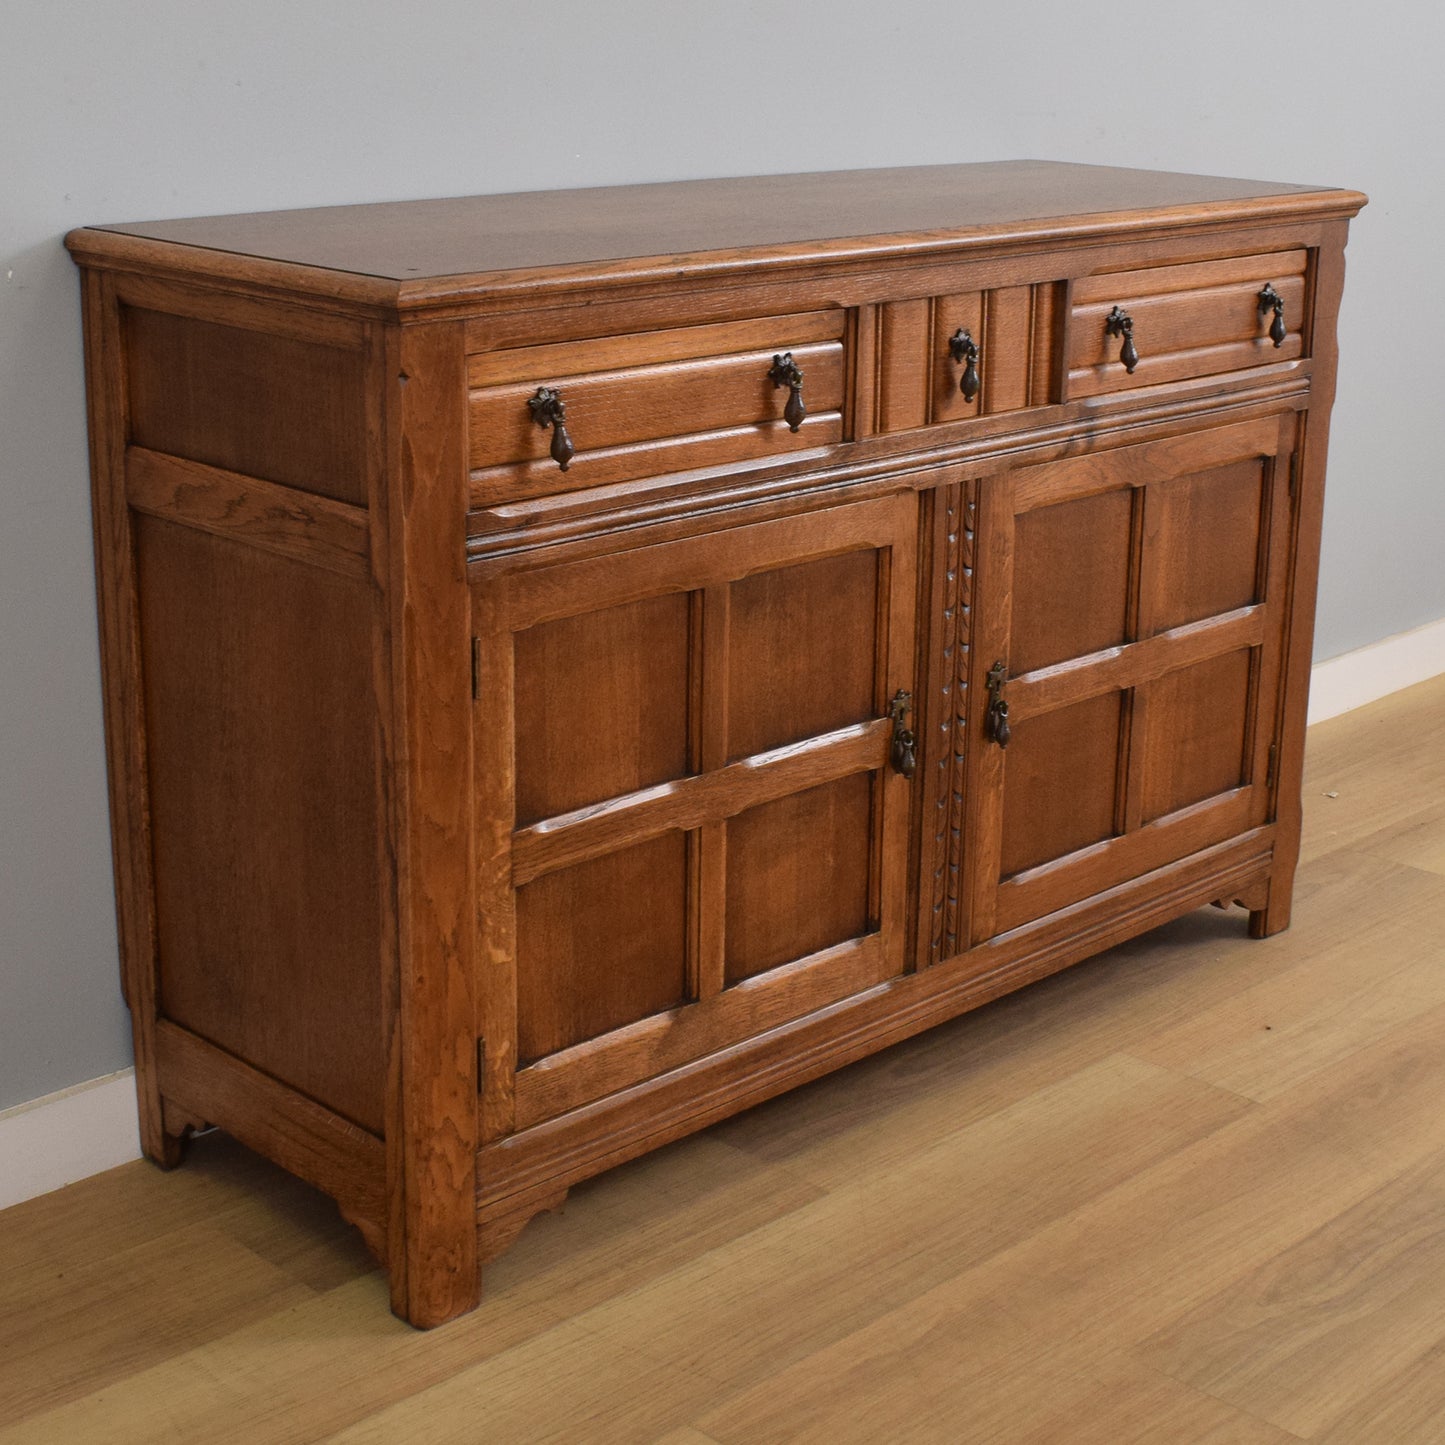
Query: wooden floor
{"points": [[1191, 1191]]}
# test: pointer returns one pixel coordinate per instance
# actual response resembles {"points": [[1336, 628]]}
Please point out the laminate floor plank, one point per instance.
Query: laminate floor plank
{"points": [[637, 1222], [1265, 1040], [932, 1374], [195, 1283], [1297, 1340], [1137, 1260], [566, 1385], [785, 1290], [1373, 768], [1407, 1409], [1417, 841], [296, 1375]]}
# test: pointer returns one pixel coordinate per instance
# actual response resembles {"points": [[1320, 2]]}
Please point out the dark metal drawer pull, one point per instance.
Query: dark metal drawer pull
{"points": [[783, 372], [1271, 300], [962, 347], [549, 410], [1120, 323]]}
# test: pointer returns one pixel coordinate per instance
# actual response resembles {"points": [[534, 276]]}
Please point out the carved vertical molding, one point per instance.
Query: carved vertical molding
{"points": [[952, 633]]}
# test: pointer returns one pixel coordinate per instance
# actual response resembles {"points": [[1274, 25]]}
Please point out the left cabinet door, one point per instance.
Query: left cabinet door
{"points": [[690, 826]]}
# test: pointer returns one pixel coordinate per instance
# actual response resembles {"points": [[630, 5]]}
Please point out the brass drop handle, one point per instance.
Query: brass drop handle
{"points": [[549, 410], [904, 752], [962, 347], [1271, 300], [995, 720], [1120, 323], [783, 372]]}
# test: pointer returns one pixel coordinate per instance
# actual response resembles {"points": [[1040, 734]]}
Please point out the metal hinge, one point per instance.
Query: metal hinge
{"points": [[481, 1065], [476, 668], [1271, 766]]}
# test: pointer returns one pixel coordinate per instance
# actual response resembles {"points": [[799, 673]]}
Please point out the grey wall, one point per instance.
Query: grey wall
{"points": [[162, 108]]}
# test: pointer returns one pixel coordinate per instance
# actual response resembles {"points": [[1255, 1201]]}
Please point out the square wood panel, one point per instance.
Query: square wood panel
{"points": [[1062, 772], [263, 817], [601, 704], [1071, 580], [1202, 537], [600, 945], [1196, 731], [801, 651], [797, 875]]}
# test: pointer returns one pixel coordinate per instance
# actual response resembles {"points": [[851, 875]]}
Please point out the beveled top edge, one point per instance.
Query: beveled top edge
{"points": [[418, 251]]}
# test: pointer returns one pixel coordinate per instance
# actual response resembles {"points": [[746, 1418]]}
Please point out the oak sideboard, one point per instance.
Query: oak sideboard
{"points": [[577, 664]]}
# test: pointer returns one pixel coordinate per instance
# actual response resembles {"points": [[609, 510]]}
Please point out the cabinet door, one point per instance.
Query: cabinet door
{"points": [[690, 828], [1132, 604]]}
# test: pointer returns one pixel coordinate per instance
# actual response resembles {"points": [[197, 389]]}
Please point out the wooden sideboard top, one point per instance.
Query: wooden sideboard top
{"points": [[632, 232]]}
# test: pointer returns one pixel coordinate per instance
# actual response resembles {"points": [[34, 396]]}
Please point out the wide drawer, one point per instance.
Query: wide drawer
{"points": [[1184, 320], [653, 402]]}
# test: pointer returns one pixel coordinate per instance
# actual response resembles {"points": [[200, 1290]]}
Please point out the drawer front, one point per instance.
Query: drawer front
{"points": [[963, 355], [1184, 321], [654, 402]]}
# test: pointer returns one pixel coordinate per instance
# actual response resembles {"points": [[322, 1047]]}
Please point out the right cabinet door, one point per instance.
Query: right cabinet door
{"points": [[1126, 663]]}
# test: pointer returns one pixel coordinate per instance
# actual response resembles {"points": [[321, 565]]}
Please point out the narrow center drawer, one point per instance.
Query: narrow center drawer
{"points": [[1184, 320], [652, 402]]}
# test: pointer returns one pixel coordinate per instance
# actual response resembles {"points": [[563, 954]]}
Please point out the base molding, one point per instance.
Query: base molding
{"points": [[1341, 684], [83, 1130], [66, 1136]]}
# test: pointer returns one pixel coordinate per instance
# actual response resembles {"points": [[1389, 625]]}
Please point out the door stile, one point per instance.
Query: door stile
{"points": [[897, 611], [495, 759], [993, 623], [709, 904]]}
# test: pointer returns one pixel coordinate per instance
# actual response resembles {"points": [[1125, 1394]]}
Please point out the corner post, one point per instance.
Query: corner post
{"points": [[418, 504], [1329, 282]]}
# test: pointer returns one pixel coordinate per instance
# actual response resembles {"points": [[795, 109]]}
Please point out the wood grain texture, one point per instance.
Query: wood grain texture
{"points": [[945, 729], [601, 944], [861, 212], [430, 699], [612, 409], [256, 685], [601, 705], [275, 407], [312, 1142], [1189, 320], [283, 520]]}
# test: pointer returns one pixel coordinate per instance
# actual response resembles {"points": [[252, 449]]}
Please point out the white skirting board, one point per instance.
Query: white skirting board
{"points": [[80, 1131], [84, 1130], [1367, 674]]}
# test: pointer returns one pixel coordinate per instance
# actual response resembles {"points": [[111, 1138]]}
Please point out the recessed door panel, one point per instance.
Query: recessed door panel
{"points": [[1071, 579], [1202, 546], [797, 876], [1198, 726], [602, 704], [801, 646], [1061, 781], [600, 945]]}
